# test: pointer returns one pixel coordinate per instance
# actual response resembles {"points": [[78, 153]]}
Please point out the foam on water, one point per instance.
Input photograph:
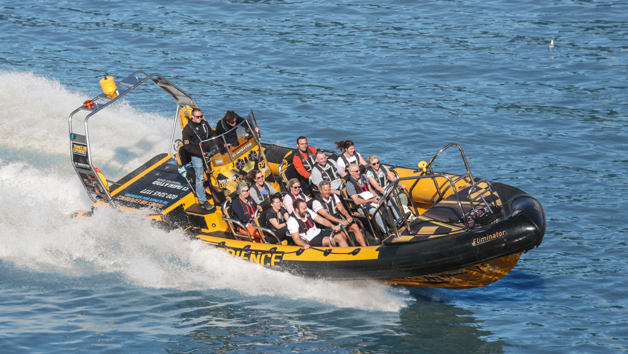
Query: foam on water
{"points": [[35, 118], [37, 234]]}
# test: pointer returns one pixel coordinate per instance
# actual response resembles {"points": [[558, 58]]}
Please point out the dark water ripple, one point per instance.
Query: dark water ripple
{"points": [[401, 79]]}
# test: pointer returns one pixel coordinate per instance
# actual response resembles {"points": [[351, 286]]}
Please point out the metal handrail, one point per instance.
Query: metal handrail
{"points": [[489, 187], [123, 87], [393, 186], [464, 159], [267, 230], [222, 136]]}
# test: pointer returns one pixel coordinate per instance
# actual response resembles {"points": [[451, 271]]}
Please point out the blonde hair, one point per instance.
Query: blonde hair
{"points": [[371, 158], [292, 183]]}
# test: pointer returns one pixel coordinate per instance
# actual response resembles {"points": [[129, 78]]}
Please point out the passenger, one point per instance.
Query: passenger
{"points": [[325, 170], [363, 196], [330, 207], [260, 190], [294, 193], [194, 132], [305, 233], [277, 218], [244, 208], [227, 125], [349, 156], [304, 159], [379, 176]]}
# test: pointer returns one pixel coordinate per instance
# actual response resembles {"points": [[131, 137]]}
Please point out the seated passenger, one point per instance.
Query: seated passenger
{"points": [[227, 125], [244, 208], [305, 233], [294, 193], [325, 170], [330, 207], [277, 218], [362, 195], [304, 159], [379, 176], [194, 132], [349, 156], [260, 190]]}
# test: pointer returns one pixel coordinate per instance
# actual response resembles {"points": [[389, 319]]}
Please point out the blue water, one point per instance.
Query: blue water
{"points": [[401, 79]]}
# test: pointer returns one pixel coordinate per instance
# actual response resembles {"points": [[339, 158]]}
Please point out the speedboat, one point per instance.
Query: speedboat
{"points": [[456, 231]]}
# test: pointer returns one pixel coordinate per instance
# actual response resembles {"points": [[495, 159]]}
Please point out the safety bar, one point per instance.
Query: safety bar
{"points": [[393, 186], [251, 130], [464, 159], [269, 231]]}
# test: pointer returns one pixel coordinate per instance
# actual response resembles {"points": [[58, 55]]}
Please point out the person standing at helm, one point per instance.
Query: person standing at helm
{"points": [[349, 156], [194, 132], [304, 159]]}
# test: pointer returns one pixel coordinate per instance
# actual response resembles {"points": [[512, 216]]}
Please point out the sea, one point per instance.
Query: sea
{"points": [[535, 92]]}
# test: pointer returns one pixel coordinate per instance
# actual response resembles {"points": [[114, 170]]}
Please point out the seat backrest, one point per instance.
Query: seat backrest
{"points": [[181, 156], [287, 159], [184, 115], [289, 172]]}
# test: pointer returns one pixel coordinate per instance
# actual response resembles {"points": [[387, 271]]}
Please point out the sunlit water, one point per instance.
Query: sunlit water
{"points": [[401, 79]]}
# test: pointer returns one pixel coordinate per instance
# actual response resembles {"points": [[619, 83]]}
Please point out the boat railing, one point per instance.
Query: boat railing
{"points": [[223, 143], [80, 143], [480, 188], [404, 220], [468, 174]]}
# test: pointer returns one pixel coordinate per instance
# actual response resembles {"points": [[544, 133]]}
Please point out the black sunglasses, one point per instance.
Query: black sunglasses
{"points": [[201, 116]]}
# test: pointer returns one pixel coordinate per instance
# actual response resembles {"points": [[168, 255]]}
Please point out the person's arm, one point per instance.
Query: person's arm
{"points": [[360, 159], [287, 204], [315, 177], [353, 194], [341, 166], [298, 241], [392, 178], [286, 216], [373, 182], [370, 187], [341, 172], [188, 142], [320, 210], [344, 212], [271, 190], [276, 223], [319, 219], [253, 194], [236, 206], [331, 218]]}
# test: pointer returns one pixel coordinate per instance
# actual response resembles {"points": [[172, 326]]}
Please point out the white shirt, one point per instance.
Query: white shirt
{"points": [[316, 205], [293, 226], [352, 159]]}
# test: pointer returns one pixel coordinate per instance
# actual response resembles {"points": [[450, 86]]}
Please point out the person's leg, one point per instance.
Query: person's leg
{"points": [[199, 171], [357, 233], [378, 220], [340, 239]]}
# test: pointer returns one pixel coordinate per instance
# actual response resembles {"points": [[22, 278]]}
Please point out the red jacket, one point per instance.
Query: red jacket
{"points": [[297, 161]]}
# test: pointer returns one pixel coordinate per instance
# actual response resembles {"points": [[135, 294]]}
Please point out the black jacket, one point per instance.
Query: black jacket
{"points": [[193, 134], [222, 127]]}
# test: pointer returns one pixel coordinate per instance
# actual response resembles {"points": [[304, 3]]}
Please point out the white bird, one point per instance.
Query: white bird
{"points": [[551, 46]]}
